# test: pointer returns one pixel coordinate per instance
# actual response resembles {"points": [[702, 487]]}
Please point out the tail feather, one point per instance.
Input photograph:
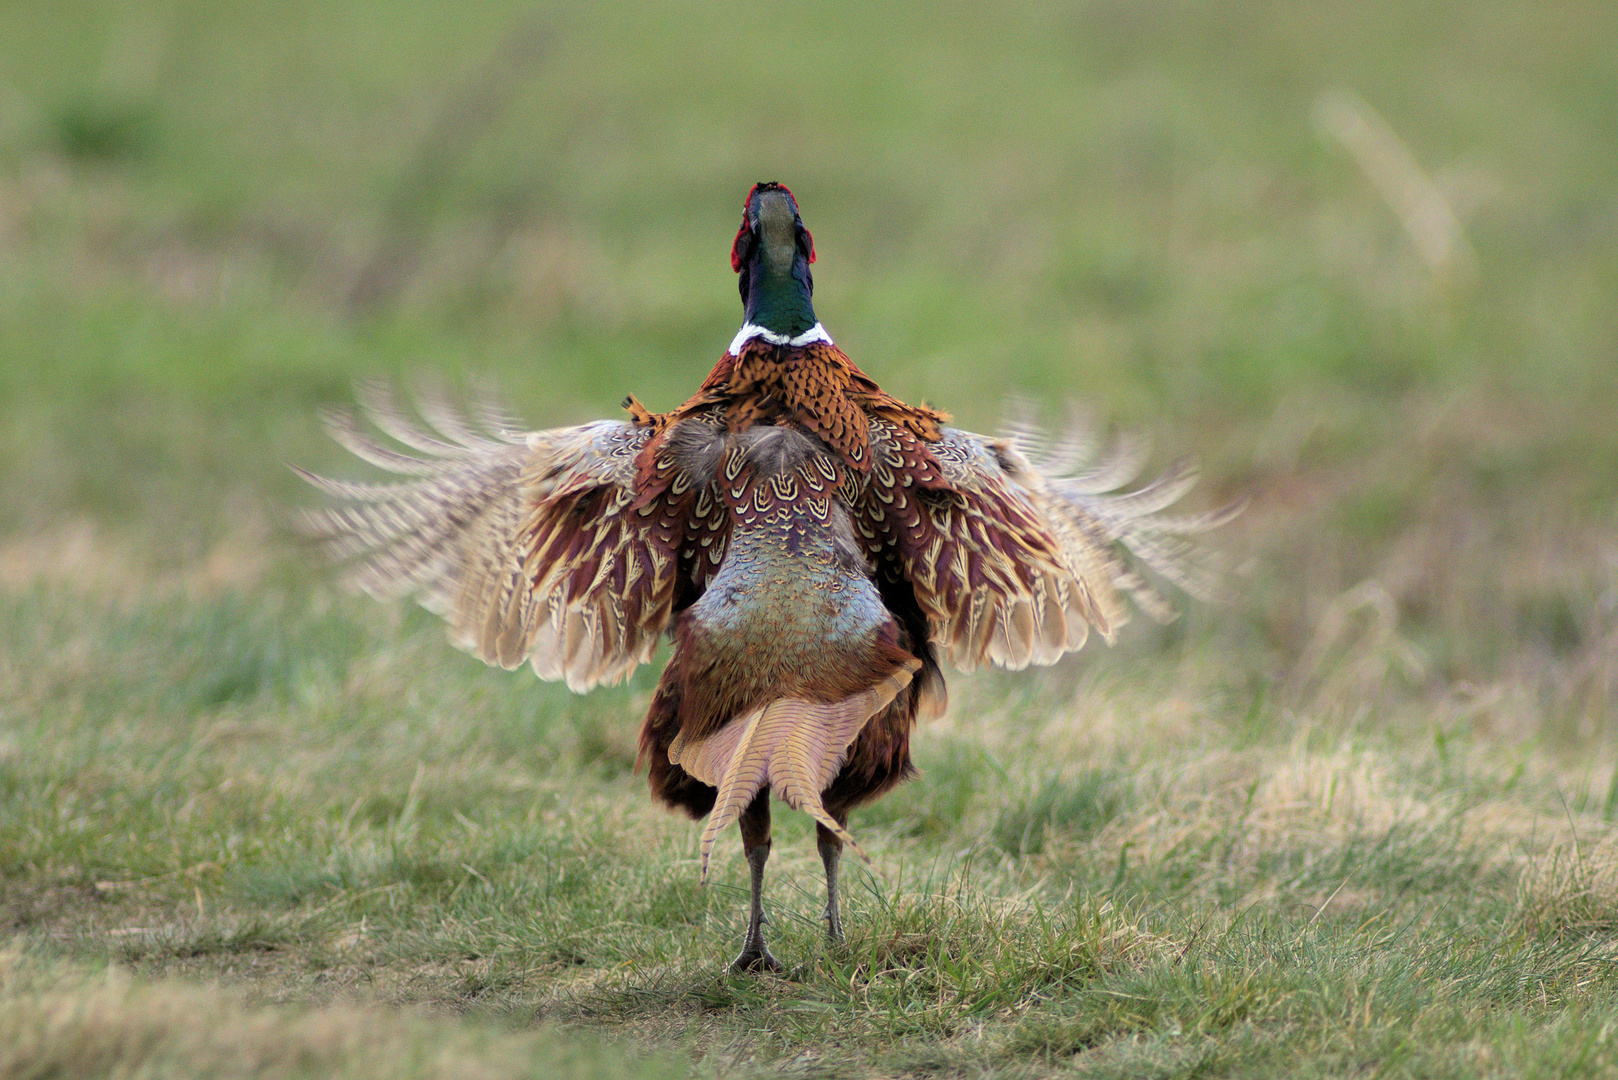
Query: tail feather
{"points": [[795, 746]]}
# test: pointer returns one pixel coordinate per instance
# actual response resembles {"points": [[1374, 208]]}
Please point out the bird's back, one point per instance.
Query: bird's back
{"points": [[792, 611]]}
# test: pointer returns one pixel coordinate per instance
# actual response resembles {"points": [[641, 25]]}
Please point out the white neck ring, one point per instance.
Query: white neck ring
{"points": [[749, 331]]}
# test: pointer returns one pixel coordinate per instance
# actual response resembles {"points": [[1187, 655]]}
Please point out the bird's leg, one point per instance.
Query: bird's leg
{"points": [[831, 853], [755, 826]]}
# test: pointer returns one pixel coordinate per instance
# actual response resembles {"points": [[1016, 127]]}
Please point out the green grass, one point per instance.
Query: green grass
{"points": [[1358, 820]]}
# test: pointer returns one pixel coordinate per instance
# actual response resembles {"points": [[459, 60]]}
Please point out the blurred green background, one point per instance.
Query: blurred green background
{"points": [[214, 216]]}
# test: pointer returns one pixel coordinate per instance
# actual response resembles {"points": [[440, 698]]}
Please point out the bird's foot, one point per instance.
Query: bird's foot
{"points": [[754, 959], [834, 926]]}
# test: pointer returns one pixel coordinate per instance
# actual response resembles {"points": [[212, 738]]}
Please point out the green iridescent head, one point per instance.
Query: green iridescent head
{"points": [[771, 255]]}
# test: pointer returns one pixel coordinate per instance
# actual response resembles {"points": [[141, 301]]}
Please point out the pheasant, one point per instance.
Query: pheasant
{"points": [[813, 547]]}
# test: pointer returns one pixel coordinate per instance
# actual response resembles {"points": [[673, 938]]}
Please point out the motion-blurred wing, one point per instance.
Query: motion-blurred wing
{"points": [[1013, 564], [529, 545], [1102, 528]]}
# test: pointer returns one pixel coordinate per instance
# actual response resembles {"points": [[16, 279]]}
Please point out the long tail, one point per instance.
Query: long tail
{"points": [[795, 746]]}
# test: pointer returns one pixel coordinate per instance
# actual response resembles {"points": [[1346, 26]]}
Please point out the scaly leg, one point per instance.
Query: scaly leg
{"points": [[755, 826], [831, 853]]}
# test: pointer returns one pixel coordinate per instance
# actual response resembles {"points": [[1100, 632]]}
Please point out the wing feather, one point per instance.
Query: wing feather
{"points": [[531, 546], [1012, 562]]}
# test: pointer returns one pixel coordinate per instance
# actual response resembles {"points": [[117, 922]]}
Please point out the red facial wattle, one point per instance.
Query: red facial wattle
{"points": [[737, 254]]}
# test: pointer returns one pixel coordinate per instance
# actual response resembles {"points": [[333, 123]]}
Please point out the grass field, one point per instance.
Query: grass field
{"points": [[1360, 820]]}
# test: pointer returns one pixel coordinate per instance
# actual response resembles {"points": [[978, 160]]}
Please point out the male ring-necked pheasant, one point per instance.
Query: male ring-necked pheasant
{"points": [[812, 545]]}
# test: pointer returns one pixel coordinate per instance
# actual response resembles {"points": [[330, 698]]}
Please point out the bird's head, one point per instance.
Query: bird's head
{"points": [[771, 255]]}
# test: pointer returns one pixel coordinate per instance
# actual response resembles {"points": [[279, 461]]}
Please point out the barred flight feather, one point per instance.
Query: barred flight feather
{"points": [[1019, 557], [490, 535]]}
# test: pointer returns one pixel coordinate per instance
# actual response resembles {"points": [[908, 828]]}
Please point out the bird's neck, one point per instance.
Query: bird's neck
{"points": [[777, 298]]}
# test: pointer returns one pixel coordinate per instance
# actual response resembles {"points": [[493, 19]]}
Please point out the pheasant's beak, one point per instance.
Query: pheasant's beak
{"points": [[778, 231]]}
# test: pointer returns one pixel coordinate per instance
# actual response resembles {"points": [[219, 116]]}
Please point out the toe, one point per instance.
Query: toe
{"points": [[753, 962]]}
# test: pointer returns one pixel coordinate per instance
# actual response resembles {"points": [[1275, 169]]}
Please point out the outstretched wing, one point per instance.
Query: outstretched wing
{"points": [[528, 544], [1013, 560]]}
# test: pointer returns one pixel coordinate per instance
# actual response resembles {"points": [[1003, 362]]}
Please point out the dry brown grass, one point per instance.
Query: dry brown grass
{"points": [[68, 1023]]}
